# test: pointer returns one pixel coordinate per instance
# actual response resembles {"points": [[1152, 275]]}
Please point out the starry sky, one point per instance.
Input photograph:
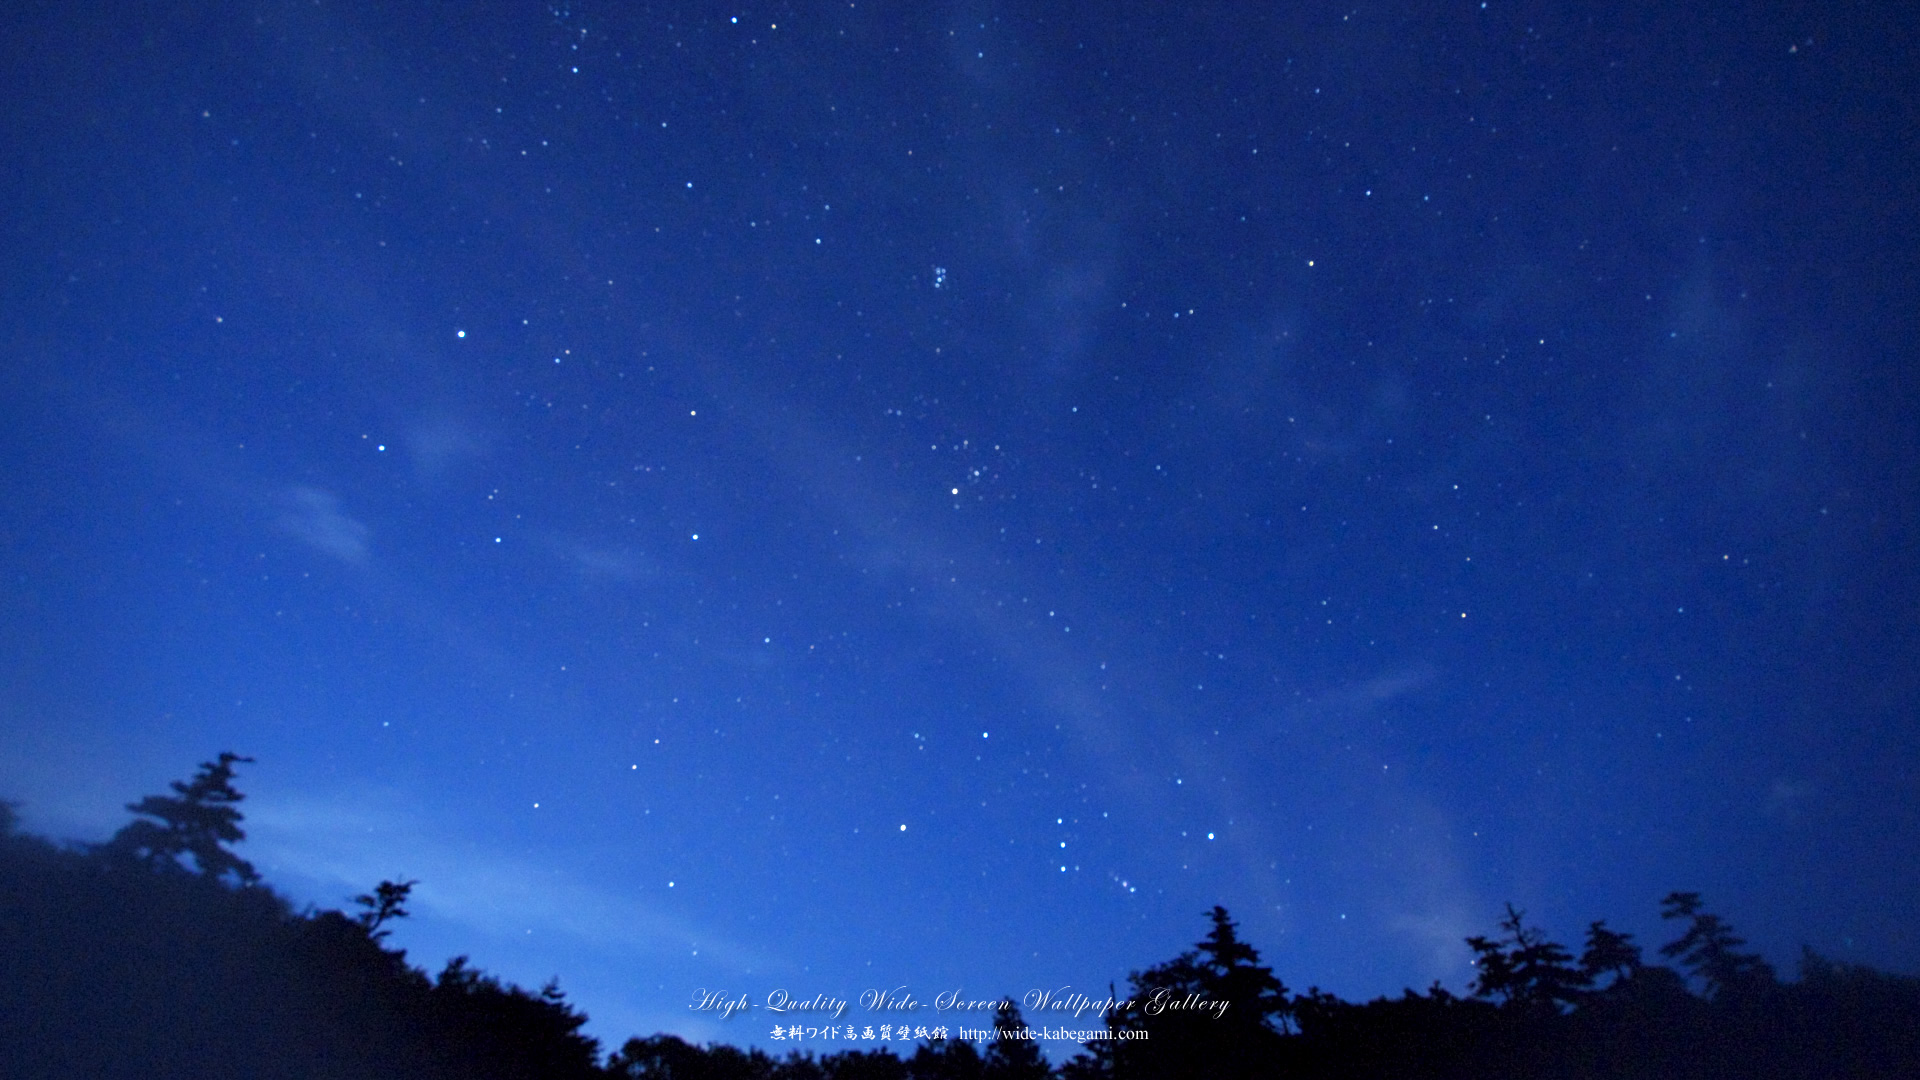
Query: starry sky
{"points": [[871, 495]]}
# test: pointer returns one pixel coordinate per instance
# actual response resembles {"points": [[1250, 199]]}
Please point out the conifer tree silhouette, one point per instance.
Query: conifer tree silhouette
{"points": [[1710, 949], [938, 1059], [200, 820], [1525, 970], [1013, 1055], [1211, 1011], [1255, 997], [1609, 951]]}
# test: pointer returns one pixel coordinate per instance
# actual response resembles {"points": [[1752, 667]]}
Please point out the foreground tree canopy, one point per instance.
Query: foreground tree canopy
{"points": [[160, 954]]}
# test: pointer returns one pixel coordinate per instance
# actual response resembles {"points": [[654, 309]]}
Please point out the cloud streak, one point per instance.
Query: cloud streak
{"points": [[350, 843], [314, 517]]}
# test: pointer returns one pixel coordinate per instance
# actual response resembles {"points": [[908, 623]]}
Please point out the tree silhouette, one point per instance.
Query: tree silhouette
{"points": [[1013, 1055], [384, 903], [141, 975], [200, 820], [876, 1064], [1096, 1058], [1211, 1011], [1232, 972], [1609, 952], [484, 1025], [946, 1059], [1710, 950], [669, 1057], [1525, 970]]}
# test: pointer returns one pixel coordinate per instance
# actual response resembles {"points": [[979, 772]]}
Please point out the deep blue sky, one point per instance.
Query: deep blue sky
{"points": [[865, 495]]}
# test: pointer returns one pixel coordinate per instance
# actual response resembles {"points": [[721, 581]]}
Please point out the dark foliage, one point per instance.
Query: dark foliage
{"points": [[1214, 1011], [385, 903], [1012, 1055], [667, 1057], [1526, 972], [199, 820], [1536, 1014], [1710, 950], [121, 961], [947, 1059]]}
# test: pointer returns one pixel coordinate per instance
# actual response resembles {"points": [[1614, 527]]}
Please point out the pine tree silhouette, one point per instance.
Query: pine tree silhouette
{"points": [[1255, 997], [1013, 1055], [1525, 970], [1710, 949], [199, 821]]}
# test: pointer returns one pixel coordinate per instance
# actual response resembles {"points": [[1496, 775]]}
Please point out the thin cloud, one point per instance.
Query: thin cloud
{"points": [[349, 843], [603, 563], [313, 517]]}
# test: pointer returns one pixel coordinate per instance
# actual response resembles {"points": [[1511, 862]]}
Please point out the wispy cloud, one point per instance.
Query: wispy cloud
{"points": [[351, 842], [603, 563], [1385, 687], [314, 517]]}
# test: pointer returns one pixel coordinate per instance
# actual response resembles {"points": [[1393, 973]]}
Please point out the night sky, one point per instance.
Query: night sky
{"points": [[848, 496]]}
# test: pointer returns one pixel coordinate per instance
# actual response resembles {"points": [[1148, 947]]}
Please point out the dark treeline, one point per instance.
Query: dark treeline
{"points": [[160, 954]]}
